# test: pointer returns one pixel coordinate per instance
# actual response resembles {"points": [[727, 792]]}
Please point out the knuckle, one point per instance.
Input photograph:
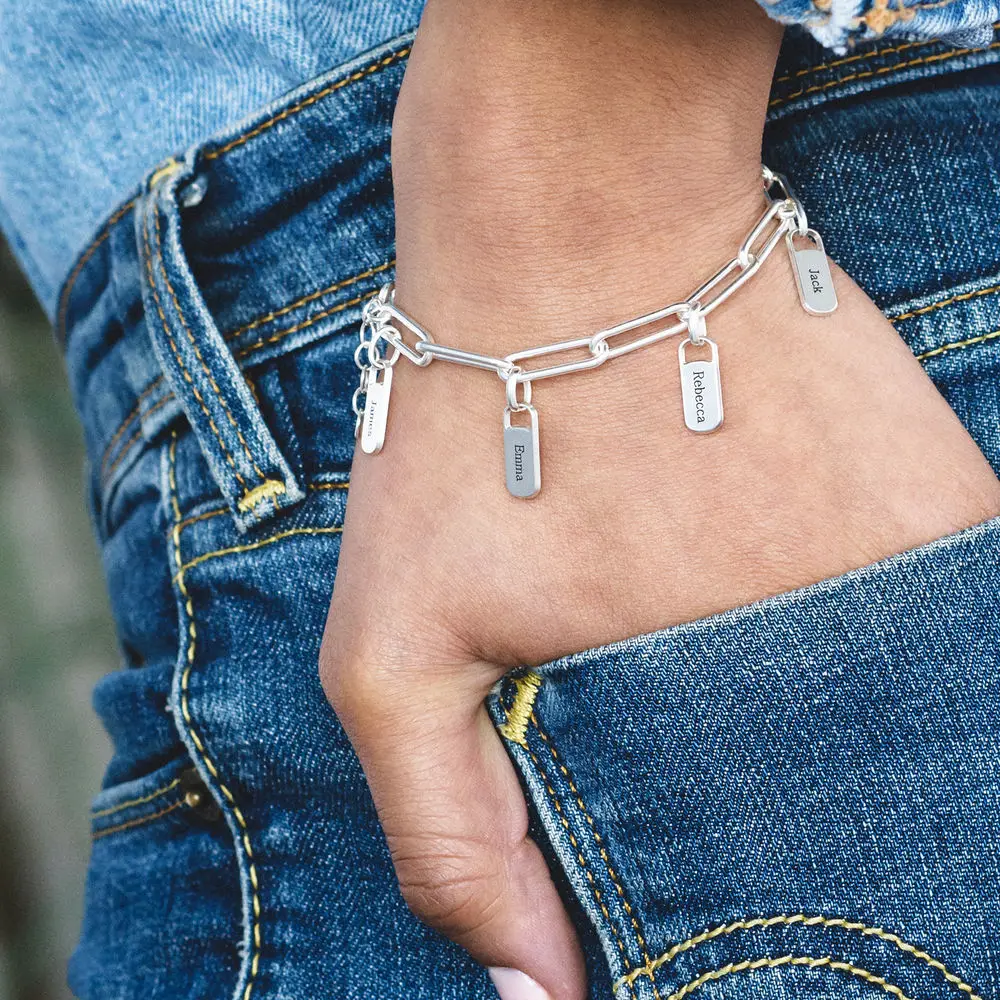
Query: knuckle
{"points": [[457, 888]]}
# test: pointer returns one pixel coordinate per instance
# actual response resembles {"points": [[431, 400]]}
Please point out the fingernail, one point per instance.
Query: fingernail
{"points": [[514, 985]]}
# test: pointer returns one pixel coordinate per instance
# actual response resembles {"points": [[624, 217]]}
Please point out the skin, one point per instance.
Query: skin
{"points": [[561, 165]]}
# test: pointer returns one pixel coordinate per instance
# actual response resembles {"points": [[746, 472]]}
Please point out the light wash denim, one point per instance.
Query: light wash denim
{"points": [[92, 93], [797, 799]]}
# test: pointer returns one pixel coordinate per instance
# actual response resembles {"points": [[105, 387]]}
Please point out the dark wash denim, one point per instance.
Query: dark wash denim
{"points": [[800, 798]]}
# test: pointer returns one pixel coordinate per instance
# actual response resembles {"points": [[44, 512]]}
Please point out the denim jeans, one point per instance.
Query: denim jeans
{"points": [[800, 798]]}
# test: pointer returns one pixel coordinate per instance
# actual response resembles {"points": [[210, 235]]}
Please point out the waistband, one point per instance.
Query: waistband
{"points": [[248, 247]]}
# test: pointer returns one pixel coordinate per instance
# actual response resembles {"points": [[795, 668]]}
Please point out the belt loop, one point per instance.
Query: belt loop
{"points": [[251, 472]]}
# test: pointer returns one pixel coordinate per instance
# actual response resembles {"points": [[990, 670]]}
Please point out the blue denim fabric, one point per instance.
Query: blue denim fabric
{"points": [[92, 93], [795, 799]]}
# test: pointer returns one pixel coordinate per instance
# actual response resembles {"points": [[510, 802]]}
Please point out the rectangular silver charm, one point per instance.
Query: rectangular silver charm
{"points": [[520, 448], [376, 411], [812, 269], [701, 389]]}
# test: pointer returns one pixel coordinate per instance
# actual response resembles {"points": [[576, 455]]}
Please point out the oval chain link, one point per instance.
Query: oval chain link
{"points": [[382, 319]]}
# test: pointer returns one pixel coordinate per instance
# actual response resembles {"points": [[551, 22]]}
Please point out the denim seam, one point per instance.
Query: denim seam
{"points": [[252, 546], [883, 71], [211, 380], [964, 297], [137, 802], [244, 838], [789, 920], [307, 299], [281, 334], [105, 232], [173, 346], [375, 67], [859, 57], [752, 965], [582, 861], [598, 843], [956, 345], [140, 821]]}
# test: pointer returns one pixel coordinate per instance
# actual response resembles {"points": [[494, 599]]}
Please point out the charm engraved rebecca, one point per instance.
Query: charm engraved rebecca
{"points": [[521, 456], [701, 389], [812, 271], [373, 420]]}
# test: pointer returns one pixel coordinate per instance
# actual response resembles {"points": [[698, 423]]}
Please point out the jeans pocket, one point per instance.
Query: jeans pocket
{"points": [[162, 900], [799, 797]]}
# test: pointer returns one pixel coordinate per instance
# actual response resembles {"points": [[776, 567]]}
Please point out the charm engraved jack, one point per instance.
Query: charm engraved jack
{"points": [[812, 271]]}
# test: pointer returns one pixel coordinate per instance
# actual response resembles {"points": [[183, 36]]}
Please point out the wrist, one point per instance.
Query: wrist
{"points": [[618, 155]]}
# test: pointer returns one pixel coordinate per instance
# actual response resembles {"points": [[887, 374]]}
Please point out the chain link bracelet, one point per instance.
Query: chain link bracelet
{"points": [[385, 330]]}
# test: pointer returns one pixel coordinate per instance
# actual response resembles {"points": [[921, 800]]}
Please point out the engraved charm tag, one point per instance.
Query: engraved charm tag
{"points": [[701, 389], [520, 448], [812, 269], [373, 421]]}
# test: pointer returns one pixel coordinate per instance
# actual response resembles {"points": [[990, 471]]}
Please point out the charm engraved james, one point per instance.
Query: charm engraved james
{"points": [[521, 456], [812, 271], [701, 389], [373, 421]]}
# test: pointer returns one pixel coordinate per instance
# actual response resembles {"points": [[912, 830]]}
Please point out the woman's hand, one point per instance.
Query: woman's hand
{"points": [[560, 167]]}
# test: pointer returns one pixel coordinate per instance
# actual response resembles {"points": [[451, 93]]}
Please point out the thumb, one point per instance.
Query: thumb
{"points": [[456, 820]]}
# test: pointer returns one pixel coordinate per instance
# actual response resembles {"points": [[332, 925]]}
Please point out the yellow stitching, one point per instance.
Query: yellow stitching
{"points": [[267, 490], [218, 511], [127, 446], [186, 712], [598, 842], [204, 367], [964, 297], [170, 339], [311, 297], [751, 965], [281, 334], [137, 802], [318, 96], [955, 345], [136, 822], [202, 517], [82, 262], [923, 60], [336, 530], [787, 920], [627, 979], [168, 168], [515, 726]]}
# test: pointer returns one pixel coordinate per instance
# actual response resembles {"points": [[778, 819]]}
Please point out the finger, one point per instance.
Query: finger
{"points": [[456, 821]]}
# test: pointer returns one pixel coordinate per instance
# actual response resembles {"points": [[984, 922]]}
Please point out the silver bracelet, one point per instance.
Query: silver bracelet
{"points": [[701, 386]]}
